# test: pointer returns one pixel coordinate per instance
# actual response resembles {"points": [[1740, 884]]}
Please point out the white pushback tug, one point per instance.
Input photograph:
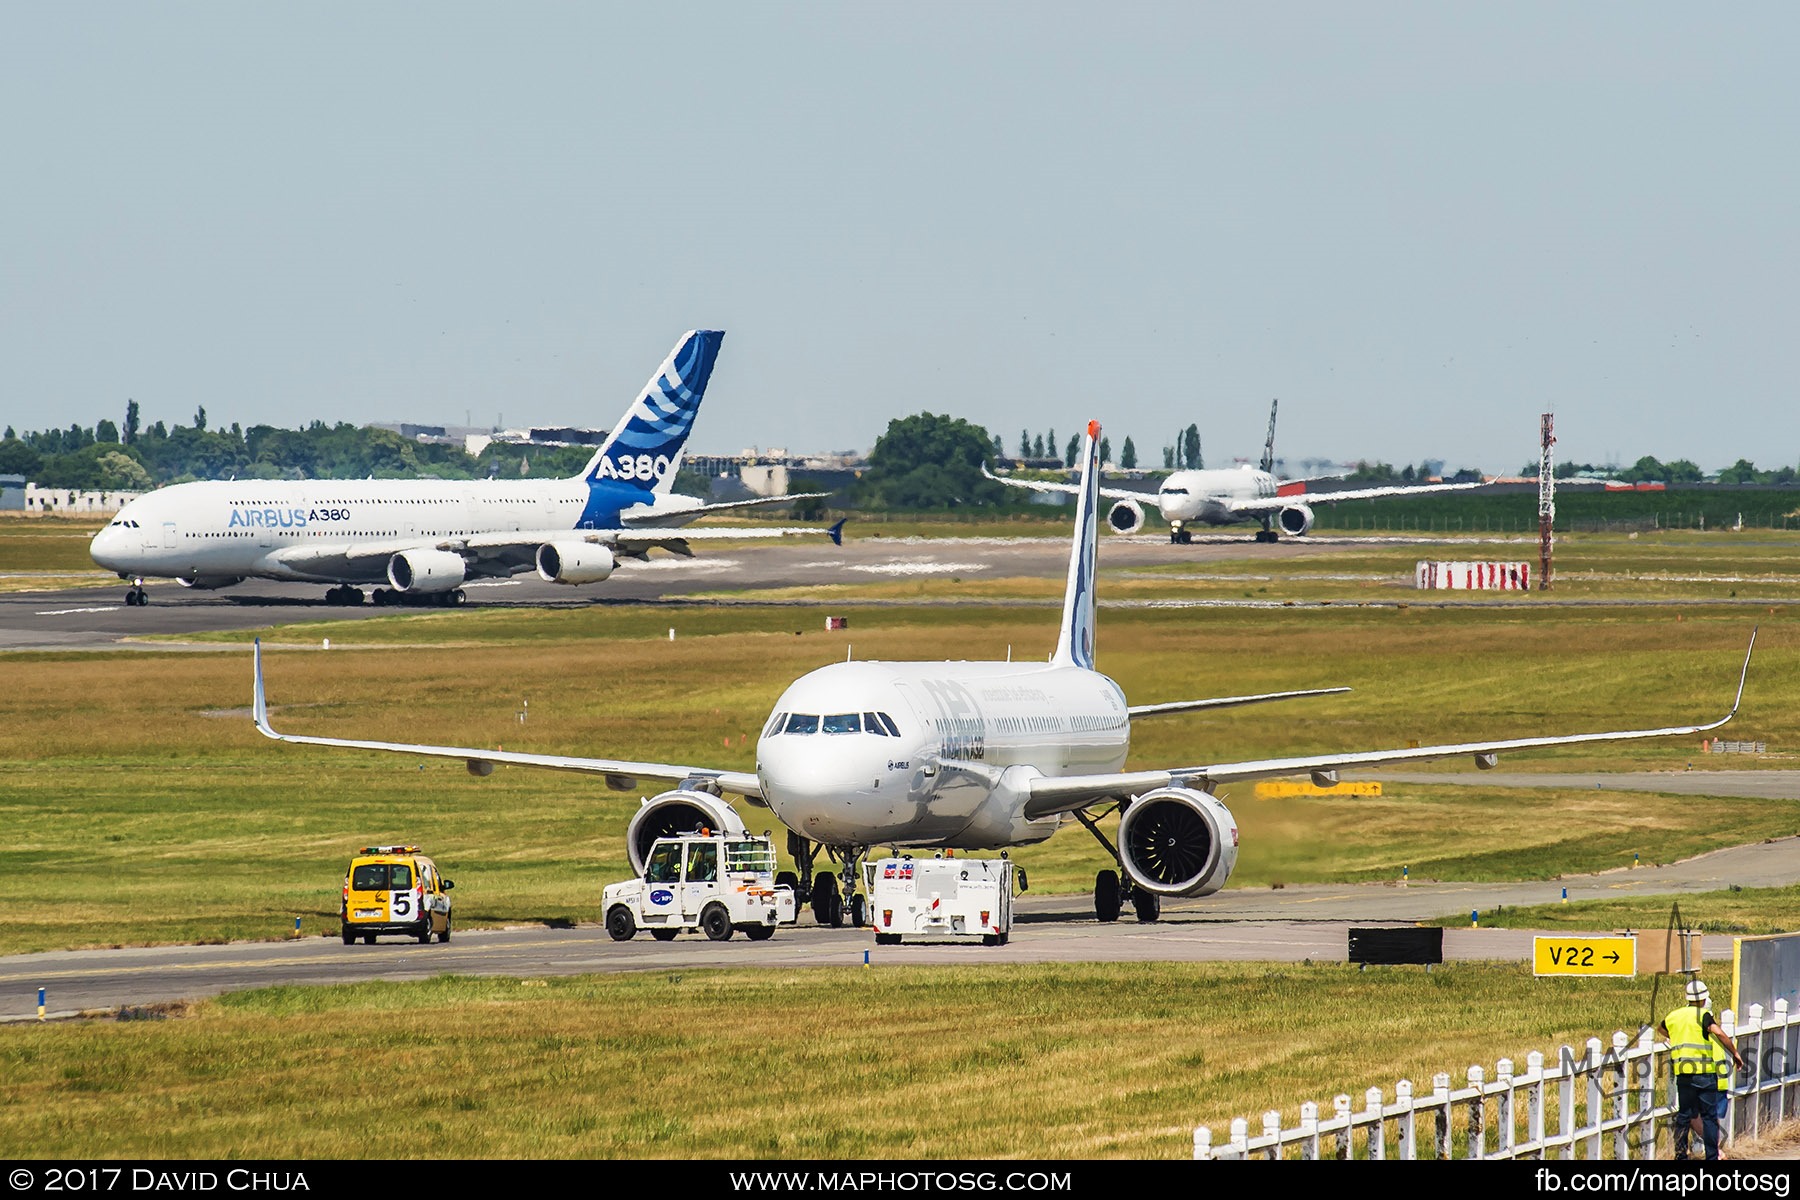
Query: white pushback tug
{"points": [[712, 881]]}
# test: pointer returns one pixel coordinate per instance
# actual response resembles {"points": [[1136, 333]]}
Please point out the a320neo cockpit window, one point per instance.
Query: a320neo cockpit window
{"points": [[381, 877], [877, 723]]}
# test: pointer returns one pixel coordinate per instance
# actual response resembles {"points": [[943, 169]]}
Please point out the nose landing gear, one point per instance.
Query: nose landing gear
{"points": [[832, 899], [135, 595]]}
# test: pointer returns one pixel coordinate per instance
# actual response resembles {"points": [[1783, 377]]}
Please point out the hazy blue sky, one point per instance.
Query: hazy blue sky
{"points": [[1419, 225]]}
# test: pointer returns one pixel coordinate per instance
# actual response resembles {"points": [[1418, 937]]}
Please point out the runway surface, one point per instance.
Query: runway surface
{"points": [[98, 618], [1260, 925]]}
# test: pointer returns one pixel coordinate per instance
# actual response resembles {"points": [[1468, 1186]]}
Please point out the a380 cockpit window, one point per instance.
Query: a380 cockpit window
{"points": [[802, 723], [1174, 491], [843, 723], [881, 724]]}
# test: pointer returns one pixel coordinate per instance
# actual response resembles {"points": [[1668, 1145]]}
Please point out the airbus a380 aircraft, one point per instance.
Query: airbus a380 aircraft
{"points": [[972, 755], [425, 537], [1231, 497]]}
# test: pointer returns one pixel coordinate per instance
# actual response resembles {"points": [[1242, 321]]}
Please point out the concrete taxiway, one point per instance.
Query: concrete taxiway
{"points": [[1292, 924]]}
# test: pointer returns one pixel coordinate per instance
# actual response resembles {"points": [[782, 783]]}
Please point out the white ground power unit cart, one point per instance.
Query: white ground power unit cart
{"points": [[954, 899], [717, 883]]}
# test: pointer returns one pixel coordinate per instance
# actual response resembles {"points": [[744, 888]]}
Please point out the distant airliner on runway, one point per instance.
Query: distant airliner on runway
{"points": [[425, 537], [972, 755], [1231, 497]]}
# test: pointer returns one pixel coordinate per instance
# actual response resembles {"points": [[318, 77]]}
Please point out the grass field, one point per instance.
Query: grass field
{"points": [[184, 825], [141, 806], [1072, 1061], [1747, 911]]}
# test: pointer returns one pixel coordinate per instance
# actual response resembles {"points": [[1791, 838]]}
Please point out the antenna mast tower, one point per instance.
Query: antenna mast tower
{"points": [[1546, 499]]}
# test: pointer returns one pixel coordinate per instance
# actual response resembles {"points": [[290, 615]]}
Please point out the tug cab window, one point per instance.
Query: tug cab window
{"points": [[703, 863], [664, 865]]}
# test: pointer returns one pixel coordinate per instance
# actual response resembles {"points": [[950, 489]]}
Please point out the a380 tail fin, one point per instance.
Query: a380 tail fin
{"points": [[644, 449], [1075, 641]]}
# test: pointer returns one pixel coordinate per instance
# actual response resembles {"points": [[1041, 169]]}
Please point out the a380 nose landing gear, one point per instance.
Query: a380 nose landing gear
{"points": [[1113, 888], [135, 595]]}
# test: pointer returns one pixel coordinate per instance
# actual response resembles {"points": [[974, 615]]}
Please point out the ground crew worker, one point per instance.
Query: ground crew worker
{"points": [[1702, 1054]]}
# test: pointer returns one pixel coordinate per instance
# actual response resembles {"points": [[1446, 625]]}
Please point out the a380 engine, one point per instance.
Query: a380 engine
{"points": [[208, 583], [674, 813], [1178, 841], [1125, 516], [426, 571], [574, 562], [1295, 520]]}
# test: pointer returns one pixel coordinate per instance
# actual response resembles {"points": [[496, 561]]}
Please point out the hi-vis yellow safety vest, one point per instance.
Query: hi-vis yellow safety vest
{"points": [[1691, 1051]]}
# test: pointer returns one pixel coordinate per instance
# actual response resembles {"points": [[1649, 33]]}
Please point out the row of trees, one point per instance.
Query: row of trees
{"points": [[1043, 446], [133, 458], [925, 461]]}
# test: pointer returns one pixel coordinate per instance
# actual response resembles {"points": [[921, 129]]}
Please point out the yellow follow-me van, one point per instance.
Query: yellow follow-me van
{"points": [[395, 890]]}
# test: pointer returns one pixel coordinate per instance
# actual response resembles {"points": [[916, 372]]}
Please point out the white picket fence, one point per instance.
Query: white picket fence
{"points": [[1600, 1104]]}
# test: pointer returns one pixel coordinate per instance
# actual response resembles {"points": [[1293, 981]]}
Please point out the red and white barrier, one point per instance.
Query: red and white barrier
{"points": [[1473, 576]]}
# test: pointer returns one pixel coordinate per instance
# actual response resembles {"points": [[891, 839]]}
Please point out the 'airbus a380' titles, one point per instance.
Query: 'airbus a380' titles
{"points": [[973, 756], [424, 538]]}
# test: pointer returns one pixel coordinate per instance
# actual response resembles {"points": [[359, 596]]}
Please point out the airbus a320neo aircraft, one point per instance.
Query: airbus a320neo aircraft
{"points": [[425, 537], [976, 756], [1234, 496]]}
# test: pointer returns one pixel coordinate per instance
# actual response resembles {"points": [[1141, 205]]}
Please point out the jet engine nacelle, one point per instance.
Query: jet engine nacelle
{"points": [[426, 571], [1177, 841], [208, 583], [1295, 520], [673, 813], [1125, 516], [574, 562]]}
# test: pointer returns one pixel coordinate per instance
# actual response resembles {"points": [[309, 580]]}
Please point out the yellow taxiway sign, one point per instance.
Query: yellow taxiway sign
{"points": [[1584, 955]]}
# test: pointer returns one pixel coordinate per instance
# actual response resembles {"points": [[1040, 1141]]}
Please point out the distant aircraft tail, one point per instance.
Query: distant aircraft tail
{"points": [[1075, 641], [1268, 458], [644, 449]]}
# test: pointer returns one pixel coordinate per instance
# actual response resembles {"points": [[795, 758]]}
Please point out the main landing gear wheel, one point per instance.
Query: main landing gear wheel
{"points": [[1267, 535], [1108, 897], [715, 923], [664, 935], [827, 903], [1148, 905], [620, 924]]}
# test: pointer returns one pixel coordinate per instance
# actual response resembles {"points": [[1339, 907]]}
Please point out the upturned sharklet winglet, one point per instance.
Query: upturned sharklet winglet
{"points": [[836, 532]]}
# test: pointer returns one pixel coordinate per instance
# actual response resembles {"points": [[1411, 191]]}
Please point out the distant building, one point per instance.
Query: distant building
{"points": [[46, 502]]}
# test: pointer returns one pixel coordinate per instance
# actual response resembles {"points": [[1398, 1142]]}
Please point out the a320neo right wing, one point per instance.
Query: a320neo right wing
{"points": [[1069, 793], [619, 774]]}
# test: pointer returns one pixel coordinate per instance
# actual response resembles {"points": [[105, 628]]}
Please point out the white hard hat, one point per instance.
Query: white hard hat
{"points": [[1697, 993]]}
